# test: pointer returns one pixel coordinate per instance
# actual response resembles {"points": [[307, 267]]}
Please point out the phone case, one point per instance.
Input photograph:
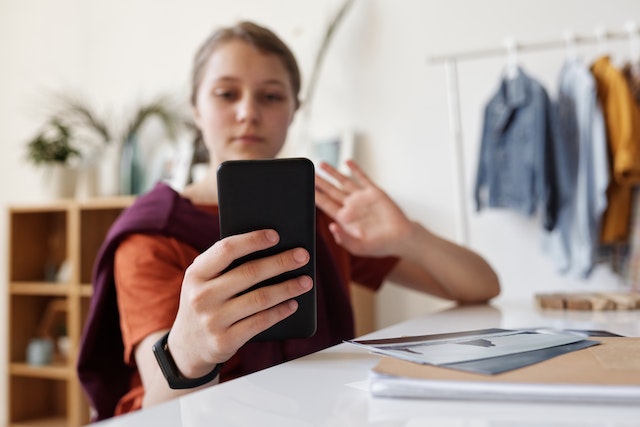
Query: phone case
{"points": [[278, 194]]}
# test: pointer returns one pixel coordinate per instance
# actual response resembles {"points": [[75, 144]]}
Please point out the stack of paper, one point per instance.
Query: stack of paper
{"points": [[545, 369]]}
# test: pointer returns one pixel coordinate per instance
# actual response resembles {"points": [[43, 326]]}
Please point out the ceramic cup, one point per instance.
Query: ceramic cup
{"points": [[39, 351]]}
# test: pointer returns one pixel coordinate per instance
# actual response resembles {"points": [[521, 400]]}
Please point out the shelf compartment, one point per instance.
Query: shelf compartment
{"points": [[26, 316], [40, 249], [37, 402], [94, 225]]}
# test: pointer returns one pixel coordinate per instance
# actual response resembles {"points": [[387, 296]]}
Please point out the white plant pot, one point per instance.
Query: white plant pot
{"points": [[87, 182], [60, 181]]}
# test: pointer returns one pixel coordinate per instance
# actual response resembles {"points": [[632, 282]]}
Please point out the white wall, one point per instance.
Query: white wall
{"points": [[376, 81]]}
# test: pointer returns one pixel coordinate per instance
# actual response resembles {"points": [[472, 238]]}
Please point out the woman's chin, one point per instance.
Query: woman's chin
{"points": [[252, 154]]}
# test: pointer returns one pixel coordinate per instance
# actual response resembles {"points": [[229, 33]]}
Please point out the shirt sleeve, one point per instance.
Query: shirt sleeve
{"points": [[148, 273], [371, 272]]}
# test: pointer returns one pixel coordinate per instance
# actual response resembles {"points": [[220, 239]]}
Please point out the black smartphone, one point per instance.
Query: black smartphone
{"points": [[277, 194]]}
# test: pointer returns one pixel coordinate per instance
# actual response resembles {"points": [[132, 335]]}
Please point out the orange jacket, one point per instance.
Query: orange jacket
{"points": [[622, 118]]}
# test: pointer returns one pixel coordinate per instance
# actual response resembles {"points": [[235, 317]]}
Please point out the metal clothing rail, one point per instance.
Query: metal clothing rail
{"points": [[534, 46], [510, 50]]}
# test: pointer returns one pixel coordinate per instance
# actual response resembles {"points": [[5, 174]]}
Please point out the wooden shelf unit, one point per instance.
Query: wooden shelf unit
{"points": [[51, 252]]}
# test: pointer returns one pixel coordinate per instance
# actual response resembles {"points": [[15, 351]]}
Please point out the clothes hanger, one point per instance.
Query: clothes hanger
{"points": [[511, 69], [601, 39], [634, 46], [570, 39]]}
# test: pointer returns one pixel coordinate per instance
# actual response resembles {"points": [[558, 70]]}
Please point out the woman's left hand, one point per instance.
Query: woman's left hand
{"points": [[366, 221]]}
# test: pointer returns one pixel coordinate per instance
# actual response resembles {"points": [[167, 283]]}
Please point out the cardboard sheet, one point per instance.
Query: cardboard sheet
{"points": [[606, 373]]}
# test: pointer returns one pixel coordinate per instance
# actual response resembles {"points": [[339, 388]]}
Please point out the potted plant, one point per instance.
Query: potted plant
{"points": [[53, 144], [67, 141], [74, 140]]}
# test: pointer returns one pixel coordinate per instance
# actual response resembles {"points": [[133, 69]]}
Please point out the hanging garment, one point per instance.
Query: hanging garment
{"points": [[631, 73], [632, 273], [622, 120], [583, 171], [516, 165]]}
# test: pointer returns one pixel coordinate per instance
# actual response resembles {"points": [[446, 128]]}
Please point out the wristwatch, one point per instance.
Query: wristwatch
{"points": [[171, 372]]}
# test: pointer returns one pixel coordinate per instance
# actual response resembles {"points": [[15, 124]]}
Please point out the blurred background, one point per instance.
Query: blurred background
{"points": [[380, 88]]}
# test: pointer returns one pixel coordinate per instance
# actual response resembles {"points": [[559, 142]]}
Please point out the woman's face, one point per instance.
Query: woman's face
{"points": [[244, 103]]}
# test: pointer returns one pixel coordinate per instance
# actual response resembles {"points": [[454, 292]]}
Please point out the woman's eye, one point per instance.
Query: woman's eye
{"points": [[224, 94], [273, 97]]}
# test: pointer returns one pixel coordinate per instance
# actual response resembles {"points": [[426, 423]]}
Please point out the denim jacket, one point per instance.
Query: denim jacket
{"points": [[516, 167], [583, 161]]}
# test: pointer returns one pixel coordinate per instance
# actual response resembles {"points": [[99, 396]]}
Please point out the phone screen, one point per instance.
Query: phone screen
{"points": [[277, 194]]}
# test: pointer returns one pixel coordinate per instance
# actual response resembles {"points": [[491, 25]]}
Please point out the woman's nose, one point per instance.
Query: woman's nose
{"points": [[248, 110]]}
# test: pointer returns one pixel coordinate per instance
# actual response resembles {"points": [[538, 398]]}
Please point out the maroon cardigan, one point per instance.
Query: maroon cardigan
{"points": [[104, 375]]}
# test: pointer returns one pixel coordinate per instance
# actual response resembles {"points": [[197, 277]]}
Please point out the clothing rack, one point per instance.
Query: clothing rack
{"points": [[599, 36], [511, 49]]}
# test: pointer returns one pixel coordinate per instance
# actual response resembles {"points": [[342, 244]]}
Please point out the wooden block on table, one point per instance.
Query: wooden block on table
{"points": [[623, 301], [550, 301]]}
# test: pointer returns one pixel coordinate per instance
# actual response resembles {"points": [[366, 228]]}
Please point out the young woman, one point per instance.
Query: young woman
{"points": [[164, 263]]}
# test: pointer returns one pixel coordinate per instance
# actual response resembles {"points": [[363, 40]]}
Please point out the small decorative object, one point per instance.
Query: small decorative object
{"points": [[66, 144], [131, 166], [40, 351], [62, 346], [589, 301], [52, 329]]}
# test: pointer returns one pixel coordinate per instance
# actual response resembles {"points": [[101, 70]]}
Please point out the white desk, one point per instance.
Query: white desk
{"points": [[328, 388]]}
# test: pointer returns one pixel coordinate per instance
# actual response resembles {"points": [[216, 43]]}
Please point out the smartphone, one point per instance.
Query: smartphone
{"points": [[277, 194]]}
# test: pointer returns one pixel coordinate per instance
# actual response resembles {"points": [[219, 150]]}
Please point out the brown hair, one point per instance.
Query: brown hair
{"points": [[261, 38]]}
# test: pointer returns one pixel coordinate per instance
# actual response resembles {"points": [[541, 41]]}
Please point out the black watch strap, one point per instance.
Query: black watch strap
{"points": [[171, 372]]}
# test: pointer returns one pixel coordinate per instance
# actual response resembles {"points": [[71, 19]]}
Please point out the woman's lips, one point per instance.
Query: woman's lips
{"points": [[248, 139]]}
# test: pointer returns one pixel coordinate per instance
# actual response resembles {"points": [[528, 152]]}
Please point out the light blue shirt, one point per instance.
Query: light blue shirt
{"points": [[582, 156]]}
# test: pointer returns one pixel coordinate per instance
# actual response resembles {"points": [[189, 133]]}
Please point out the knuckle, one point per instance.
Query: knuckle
{"points": [[196, 299], [285, 260], [260, 323], [260, 297], [189, 273], [222, 345], [250, 270], [222, 246]]}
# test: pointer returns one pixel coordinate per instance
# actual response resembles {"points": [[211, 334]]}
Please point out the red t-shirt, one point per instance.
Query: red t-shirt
{"points": [[147, 263]]}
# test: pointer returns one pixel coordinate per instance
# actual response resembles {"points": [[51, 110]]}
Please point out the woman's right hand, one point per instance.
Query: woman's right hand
{"points": [[215, 318]]}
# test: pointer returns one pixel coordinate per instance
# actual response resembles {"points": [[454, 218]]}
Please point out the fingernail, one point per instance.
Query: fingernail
{"points": [[305, 282], [300, 255], [271, 235]]}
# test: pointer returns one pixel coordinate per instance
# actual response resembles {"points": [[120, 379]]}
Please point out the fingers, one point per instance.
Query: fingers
{"points": [[328, 197], [218, 257], [252, 272], [346, 184], [209, 268], [216, 311], [359, 174], [244, 315], [263, 307]]}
